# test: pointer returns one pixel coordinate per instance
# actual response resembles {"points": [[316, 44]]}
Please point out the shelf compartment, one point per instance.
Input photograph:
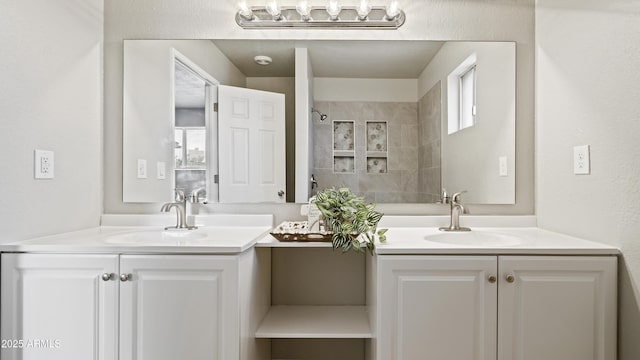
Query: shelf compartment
{"points": [[376, 165], [344, 165], [315, 322]]}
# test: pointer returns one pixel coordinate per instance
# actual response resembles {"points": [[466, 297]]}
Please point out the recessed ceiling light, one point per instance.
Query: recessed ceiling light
{"points": [[262, 60]]}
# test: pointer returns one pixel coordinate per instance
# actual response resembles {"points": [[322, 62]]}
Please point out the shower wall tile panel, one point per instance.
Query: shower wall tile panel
{"points": [[402, 147]]}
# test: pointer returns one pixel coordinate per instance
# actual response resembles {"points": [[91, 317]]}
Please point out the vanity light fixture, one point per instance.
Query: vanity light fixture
{"points": [[363, 10], [244, 11], [333, 9], [304, 9], [333, 15], [274, 10], [393, 10]]}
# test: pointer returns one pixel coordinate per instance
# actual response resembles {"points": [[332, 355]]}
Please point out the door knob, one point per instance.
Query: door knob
{"points": [[106, 276], [281, 193], [125, 277], [510, 278], [492, 279]]}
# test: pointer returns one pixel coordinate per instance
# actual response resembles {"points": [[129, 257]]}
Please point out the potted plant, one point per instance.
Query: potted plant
{"points": [[352, 221]]}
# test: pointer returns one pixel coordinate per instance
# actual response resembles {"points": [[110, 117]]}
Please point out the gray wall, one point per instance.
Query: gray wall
{"points": [[588, 93], [51, 99], [160, 19]]}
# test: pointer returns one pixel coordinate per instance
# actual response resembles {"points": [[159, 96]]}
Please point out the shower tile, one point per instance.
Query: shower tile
{"points": [[343, 135], [343, 164], [376, 165], [376, 136]]}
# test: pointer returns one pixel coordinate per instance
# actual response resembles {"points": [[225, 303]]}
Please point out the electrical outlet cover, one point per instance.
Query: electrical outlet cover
{"points": [[43, 164], [581, 161]]}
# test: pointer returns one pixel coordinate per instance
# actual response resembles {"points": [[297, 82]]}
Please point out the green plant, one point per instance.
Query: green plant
{"points": [[353, 221]]}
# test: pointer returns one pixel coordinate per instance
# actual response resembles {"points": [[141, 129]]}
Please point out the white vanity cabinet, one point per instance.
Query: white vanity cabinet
{"points": [[495, 307], [107, 307]]}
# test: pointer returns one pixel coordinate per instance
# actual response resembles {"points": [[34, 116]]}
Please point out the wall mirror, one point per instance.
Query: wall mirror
{"points": [[396, 121]]}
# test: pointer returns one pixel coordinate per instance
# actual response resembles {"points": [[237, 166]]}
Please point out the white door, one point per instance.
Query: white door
{"points": [[557, 308], [437, 307], [59, 306], [179, 307], [251, 137]]}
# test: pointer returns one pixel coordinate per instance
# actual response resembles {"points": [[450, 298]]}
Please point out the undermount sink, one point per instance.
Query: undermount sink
{"points": [[156, 237], [476, 238]]}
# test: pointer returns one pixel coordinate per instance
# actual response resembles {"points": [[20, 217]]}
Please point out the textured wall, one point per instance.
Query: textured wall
{"points": [[51, 99], [587, 93], [427, 20]]}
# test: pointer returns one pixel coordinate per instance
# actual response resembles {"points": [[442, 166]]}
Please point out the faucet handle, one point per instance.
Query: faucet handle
{"points": [[444, 197], [179, 194], [194, 197], [455, 198]]}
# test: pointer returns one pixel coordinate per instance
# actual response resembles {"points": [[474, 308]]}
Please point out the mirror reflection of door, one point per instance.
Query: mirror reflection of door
{"points": [[252, 145], [194, 99]]}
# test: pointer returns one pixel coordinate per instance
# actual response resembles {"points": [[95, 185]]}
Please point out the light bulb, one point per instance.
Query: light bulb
{"points": [[363, 10], [393, 10], [244, 10], [304, 10], [274, 10], [333, 9]]}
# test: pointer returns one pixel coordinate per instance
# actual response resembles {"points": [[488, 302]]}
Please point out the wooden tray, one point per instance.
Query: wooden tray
{"points": [[298, 231]]}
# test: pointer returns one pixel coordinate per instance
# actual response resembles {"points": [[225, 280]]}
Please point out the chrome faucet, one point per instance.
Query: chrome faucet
{"points": [[456, 210], [180, 205]]}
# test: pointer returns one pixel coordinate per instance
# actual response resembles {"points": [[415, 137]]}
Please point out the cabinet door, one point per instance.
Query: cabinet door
{"points": [[179, 307], [59, 306], [437, 307], [557, 308]]}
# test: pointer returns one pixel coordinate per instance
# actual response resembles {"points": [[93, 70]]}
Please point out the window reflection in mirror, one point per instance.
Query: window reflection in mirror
{"points": [[190, 128]]}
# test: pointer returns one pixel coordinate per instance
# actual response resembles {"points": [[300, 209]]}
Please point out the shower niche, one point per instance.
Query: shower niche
{"points": [[377, 147], [344, 160]]}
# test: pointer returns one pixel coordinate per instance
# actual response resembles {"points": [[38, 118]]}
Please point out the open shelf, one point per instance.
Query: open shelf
{"points": [[315, 322]]}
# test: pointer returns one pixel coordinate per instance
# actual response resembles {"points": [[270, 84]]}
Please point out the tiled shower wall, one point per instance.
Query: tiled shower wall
{"points": [[429, 145], [400, 182]]}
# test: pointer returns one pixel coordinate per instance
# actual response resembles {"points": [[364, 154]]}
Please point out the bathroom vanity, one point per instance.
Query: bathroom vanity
{"points": [[518, 294], [143, 293], [135, 293]]}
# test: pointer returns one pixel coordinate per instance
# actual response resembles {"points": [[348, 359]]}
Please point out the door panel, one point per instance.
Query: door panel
{"points": [[252, 145], [61, 302], [179, 307], [557, 308], [437, 307]]}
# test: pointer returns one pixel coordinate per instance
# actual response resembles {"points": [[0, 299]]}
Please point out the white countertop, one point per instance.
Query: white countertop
{"points": [[498, 235], [145, 240], [406, 235], [527, 241]]}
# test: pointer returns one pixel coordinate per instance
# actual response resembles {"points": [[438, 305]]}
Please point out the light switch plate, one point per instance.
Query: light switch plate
{"points": [[502, 166], [161, 170], [142, 169], [581, 160], [43, 164]]}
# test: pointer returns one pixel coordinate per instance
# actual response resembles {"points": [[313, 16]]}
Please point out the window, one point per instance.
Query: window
{"points": [[461, 93], [467, 115]]}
